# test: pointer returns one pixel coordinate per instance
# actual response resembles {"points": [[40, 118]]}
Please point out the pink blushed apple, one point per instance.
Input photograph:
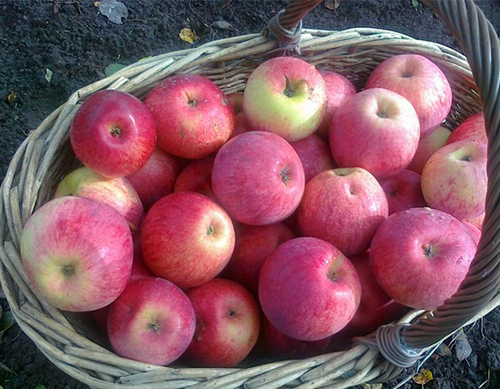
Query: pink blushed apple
{"points": [[475, 232], [473, 128], [421, 82], [152, 321], [113, 133], [193, 116], [115, 192], [344, 207], [253, 245], [454, 179], [258, 178], [187, 239], [428, 146], [375, 129], [308, 289], [403, 190], [285, 96], [477, 221], [197, 177], [240, 121], [314, 154], [156, 178], [227, 324], [77, 253], [420, 256]]}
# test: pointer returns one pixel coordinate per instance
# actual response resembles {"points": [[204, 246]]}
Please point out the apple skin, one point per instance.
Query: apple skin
{"points": [[476, 232], [285, 96], [308, 289], [227, 324], [454, 179], [375, 129], [113, 133], [187, 239], [115, 192], [156, 178], [421, 82], [77, 253], [420, 256], [353, 205], [338, 89], [477, 221], [152, 321], [240, 121], [428, 146], [314, 155], [282, 346], [193, 116], [473, 128], [258, 178], [197, 177], [253, 245], [403, 190]]}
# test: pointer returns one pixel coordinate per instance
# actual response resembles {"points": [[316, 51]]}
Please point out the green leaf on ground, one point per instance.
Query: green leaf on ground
{"points": [[113, 68], [6, 321], [48, 75], [415, 4]]}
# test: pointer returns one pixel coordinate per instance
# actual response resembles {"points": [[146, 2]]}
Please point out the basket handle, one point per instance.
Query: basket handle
{"points": [[402, 345]]}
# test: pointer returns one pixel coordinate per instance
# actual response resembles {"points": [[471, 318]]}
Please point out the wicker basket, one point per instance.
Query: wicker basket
{"points": [[46, 156]]}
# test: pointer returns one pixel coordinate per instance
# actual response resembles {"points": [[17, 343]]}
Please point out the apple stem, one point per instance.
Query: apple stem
{"points": [[68, 270], [115, 132], [153, 326], [288, 92], [428, 251], [467, 158], [210, 230], [284, 176], [231, 313]]}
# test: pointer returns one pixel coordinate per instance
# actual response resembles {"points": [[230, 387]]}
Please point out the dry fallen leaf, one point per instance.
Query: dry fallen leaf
{"points": [[423, 377], [332, 4], [223, 25], [188, 35]]}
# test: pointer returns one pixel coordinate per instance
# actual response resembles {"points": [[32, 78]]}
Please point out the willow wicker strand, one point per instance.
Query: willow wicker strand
{"points": [[46, 156]]}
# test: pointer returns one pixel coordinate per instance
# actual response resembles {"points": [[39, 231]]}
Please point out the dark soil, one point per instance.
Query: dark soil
{"points": [[76, 43]]}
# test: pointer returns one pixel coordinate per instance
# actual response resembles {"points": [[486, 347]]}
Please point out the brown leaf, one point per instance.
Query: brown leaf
{"points": [[423, 377], [332, 4]]}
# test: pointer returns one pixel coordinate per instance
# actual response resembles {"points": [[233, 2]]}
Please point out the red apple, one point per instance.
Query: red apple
{"points": [[421, 82], [428, 146], [420, 256], [187, 239], [197, 177], [282, 346], [113, 133], [314, 154], [475, 232], [152, 321], [403, 190], [77, 253], [477, 221], [258, 178], [308, 289], [227, 324], [192, 115], [344, 207], [253, 246], [115, 192], [338, 90], [285, 96], [156, 178], [473, 128], [454, 179], [377, 130], [240, 121]]}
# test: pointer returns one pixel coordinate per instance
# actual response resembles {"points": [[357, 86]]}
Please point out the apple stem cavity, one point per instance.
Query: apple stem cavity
{"points": [[285, 177], [154, 326], [407, 75], [382, 114], [231, 313], [210, 230], [428, 251], [467, 158], [115, 132], [68, 270]]}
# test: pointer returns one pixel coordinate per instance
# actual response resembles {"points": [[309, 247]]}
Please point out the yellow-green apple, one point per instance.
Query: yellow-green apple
{"points": [[308, 289], [113, 133], [454, 179], [343, 206], [285, 96], [338, 89], [258, 178], [477, 221], [253, 246], [377, 130], [152, 321], [156, 178], [240, 121], [77, 253], [197, 177], [115, 192], [227, 324], [421, 82], [187, 238], [314, 154], [428, 146], [283, 346], [403, 190], [193, 116], [473, 128], [420, 256]]}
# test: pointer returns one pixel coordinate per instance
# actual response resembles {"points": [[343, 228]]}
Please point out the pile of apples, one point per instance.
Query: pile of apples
{"points": [[300, 212]]}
